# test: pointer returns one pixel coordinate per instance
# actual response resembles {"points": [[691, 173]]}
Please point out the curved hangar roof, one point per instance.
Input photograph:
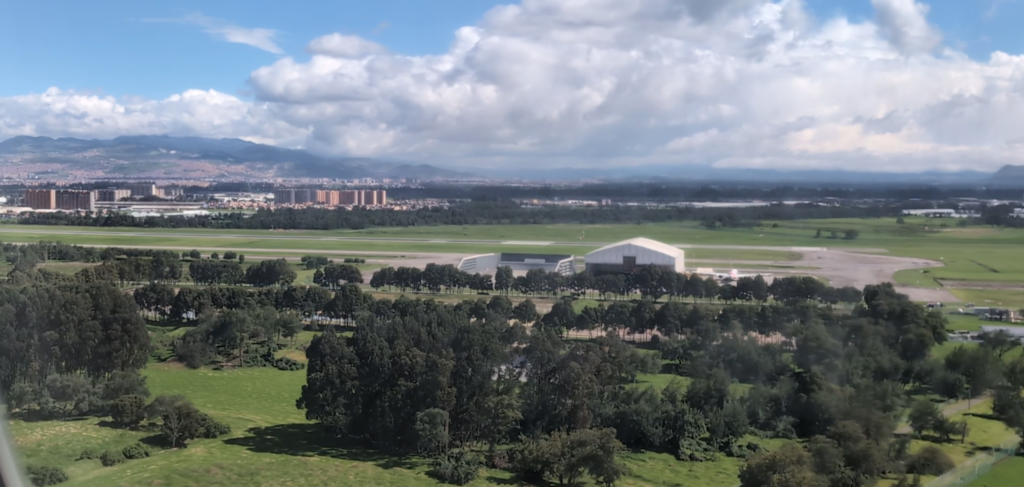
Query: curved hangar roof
{"points": [[646, 252]]}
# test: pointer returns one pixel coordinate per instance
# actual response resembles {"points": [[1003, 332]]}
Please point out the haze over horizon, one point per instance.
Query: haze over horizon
{"points": [[869, 85]]}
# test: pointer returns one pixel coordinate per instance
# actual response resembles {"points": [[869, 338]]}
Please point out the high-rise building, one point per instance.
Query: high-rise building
{"points": [[68, 199], [284, 196], [41, 199], [304, 196], [369, 197], [112, 194], [382, 197], [143, 189], [347, 198]]}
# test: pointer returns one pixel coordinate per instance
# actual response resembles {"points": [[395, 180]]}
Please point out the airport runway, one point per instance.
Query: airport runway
{"points": [[847, 267]]}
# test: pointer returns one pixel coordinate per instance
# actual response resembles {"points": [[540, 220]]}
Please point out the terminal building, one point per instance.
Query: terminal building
{"points": [[489, 263], [624, 257]]}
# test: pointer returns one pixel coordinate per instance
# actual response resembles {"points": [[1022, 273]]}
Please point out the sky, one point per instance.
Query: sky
{"points": [[874, 85]]}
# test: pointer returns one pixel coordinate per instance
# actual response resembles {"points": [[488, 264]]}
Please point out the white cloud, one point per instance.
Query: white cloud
{"points": [[256, 37], [904, 22], [209, 113], [344, 46], [736, 83]]}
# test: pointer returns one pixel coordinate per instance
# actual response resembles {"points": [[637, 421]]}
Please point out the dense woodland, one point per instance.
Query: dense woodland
{"points": [[491, 381]]}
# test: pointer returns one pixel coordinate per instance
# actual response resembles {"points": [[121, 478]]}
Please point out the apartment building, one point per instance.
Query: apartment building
{"points": [[143, 189], [112, 194], [41, 199]]}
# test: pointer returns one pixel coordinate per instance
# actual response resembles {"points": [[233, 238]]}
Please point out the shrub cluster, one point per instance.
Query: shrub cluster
{"points": [[285, 363], [135, 451], [110, 458], [456, 467], [42, 476]]}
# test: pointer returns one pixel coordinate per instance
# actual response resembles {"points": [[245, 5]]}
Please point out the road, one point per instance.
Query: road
{"points": [[848, 267]]}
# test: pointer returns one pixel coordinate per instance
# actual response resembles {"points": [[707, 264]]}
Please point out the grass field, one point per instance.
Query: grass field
{"points": [[272, 444], [1007, 473], [268, 242], [972, 254]]}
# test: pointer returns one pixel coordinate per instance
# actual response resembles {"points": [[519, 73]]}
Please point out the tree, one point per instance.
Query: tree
{"points": [[69, 395], [922, 416], [230, 255], [759, 289], [525, 312], [1000, 341], [194, 254], [789, 466], [851, 234], [181, 423], [128, 411], [566, 457], [648, 281], [503, 279], [432, 431]]}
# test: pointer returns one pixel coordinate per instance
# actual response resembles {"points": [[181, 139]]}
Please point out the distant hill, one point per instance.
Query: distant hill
{"points": [[162, 156], [1009, 175]]}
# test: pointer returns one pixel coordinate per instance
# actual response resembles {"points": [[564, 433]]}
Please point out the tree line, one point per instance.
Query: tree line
{"points": [[476, 212], [650, 282]]}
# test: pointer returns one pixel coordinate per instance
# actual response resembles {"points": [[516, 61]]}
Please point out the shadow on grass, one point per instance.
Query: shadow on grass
{"points": [[307, 440], [500, 481]]}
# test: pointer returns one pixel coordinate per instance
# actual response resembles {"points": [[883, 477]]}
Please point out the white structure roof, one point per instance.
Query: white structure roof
{"points": [[645, 243]]}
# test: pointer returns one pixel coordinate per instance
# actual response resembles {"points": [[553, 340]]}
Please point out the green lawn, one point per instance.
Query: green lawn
{"points": [[991, 298], [1007, 473]]}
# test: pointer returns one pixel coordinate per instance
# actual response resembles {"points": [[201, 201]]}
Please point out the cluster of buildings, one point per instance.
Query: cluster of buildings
{"points": [[60, 199], [76, 199], [331, 197]]}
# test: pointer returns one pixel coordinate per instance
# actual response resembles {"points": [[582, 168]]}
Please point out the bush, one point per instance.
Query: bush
{"points": [[110, 458], [500, 460], [89, 454], [211, 428], [46, 475], [285, 363], [694, 451], [455, 467], [135, 451], [128, 411], [931, 460]]}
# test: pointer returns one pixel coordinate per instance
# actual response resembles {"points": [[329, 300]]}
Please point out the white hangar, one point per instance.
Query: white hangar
{"points": [[625, 256]]}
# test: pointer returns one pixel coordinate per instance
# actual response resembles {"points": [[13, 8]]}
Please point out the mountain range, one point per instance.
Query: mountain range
{"points": [[165, 157]]}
